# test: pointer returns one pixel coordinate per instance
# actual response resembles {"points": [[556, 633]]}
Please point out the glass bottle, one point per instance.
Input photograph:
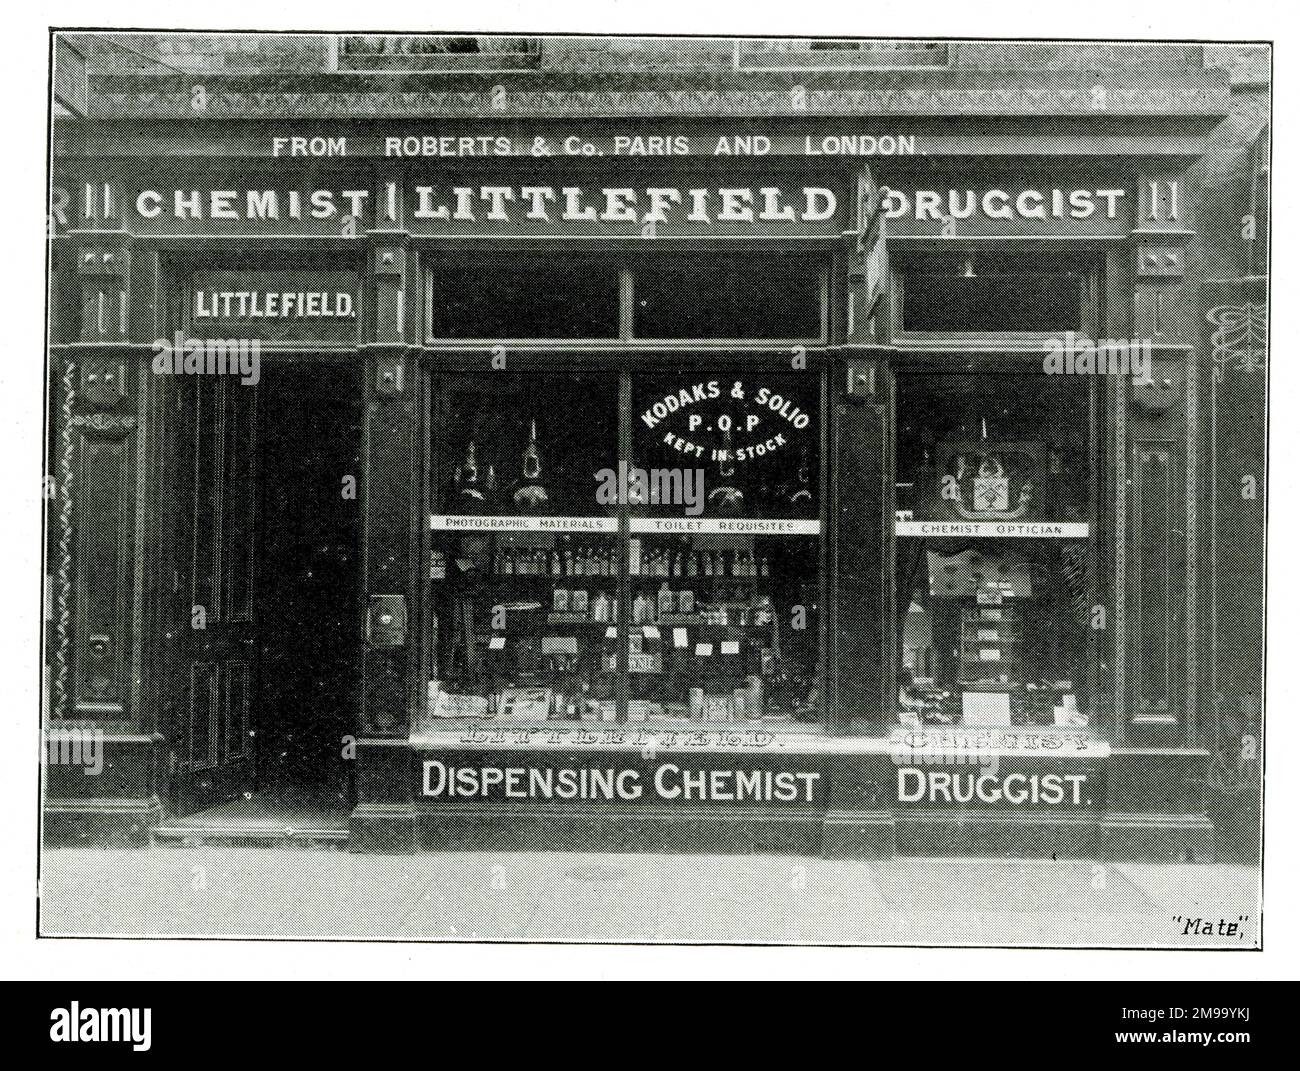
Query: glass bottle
{"points": [[473, 482], [530, 494], [726, 498], [801, 496], [665, 600]]}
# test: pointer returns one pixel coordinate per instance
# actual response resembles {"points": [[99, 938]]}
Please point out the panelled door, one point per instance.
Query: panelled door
{"points": [[215, 756]]}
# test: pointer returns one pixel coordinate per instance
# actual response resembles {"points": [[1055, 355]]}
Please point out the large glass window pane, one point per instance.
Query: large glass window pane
{"points": [[725, 549], [523, 297], [524, 569], [993, 531], [765, 295]]}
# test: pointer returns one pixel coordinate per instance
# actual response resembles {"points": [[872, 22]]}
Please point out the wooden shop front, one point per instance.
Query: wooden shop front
{"points": [[777, 497]]}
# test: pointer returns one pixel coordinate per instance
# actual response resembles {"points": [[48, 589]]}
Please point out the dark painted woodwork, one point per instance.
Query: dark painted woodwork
{"points": [[1235, 357], [213, 741], [392, 496], [104, 481], [861, 655], [1156, 625], [1157, 805], [105, 307]]}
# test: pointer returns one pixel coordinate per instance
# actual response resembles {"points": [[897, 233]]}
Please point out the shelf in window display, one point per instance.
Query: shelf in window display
{"points": [[717, 628], [913, 528], [601, 580], [607, 525], [537, 570], [730, 526], [703, 581], [694, 621], [574, 525], [588, 579]]}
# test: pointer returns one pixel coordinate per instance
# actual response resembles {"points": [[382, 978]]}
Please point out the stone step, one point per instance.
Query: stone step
{"points": [[259, 836]]}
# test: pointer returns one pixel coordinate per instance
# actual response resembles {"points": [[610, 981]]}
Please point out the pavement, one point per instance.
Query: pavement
{"points": [[479, 896]]}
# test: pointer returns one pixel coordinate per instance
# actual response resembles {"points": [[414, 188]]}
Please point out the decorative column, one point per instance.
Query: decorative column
{"points": [[96, 673], [393, 476], [1155, 785], [1161, 462], [860, 515], [97, 435], [861, 485]]}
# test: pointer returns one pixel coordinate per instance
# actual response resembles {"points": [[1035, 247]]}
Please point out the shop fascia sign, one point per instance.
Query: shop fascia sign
{"points": [[1011, 786], [467, 207], [487, 142], [458, 777], [275, 305], [651, 205], [1095, 208], [997, 769]]}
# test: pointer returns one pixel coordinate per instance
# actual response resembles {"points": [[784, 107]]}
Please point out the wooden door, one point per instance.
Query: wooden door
{"points": [[217, 474]]}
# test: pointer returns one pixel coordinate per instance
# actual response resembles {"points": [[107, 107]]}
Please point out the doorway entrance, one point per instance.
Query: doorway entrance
{"points": [[271, 523], [310, 560]]}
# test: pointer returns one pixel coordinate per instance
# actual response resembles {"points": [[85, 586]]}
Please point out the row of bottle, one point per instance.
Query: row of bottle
{"points": [[667, 562], [602, 561], [474, 481], [647, 609], [586, 561], [603, 608]]}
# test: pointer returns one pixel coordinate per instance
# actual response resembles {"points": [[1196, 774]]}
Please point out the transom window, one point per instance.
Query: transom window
{"points": [[992, 293], [774, 296]]}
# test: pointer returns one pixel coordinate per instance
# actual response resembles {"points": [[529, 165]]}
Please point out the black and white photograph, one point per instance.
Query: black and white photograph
{"points": [[527, 487]]}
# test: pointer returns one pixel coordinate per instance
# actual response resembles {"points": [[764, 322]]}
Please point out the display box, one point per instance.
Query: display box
{"points": [[986, 707]]}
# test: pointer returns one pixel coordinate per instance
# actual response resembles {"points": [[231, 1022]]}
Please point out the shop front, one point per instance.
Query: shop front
{"points": [[786, 500]]}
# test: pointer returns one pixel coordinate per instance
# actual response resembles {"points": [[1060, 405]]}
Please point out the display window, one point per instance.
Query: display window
{"points": [[625, 546], [726, 577], [677, 583], [524, 569], [994, 549]]}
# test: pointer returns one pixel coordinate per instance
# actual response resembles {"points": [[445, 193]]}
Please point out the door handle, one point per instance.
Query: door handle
{"points": [[386, 621]]}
